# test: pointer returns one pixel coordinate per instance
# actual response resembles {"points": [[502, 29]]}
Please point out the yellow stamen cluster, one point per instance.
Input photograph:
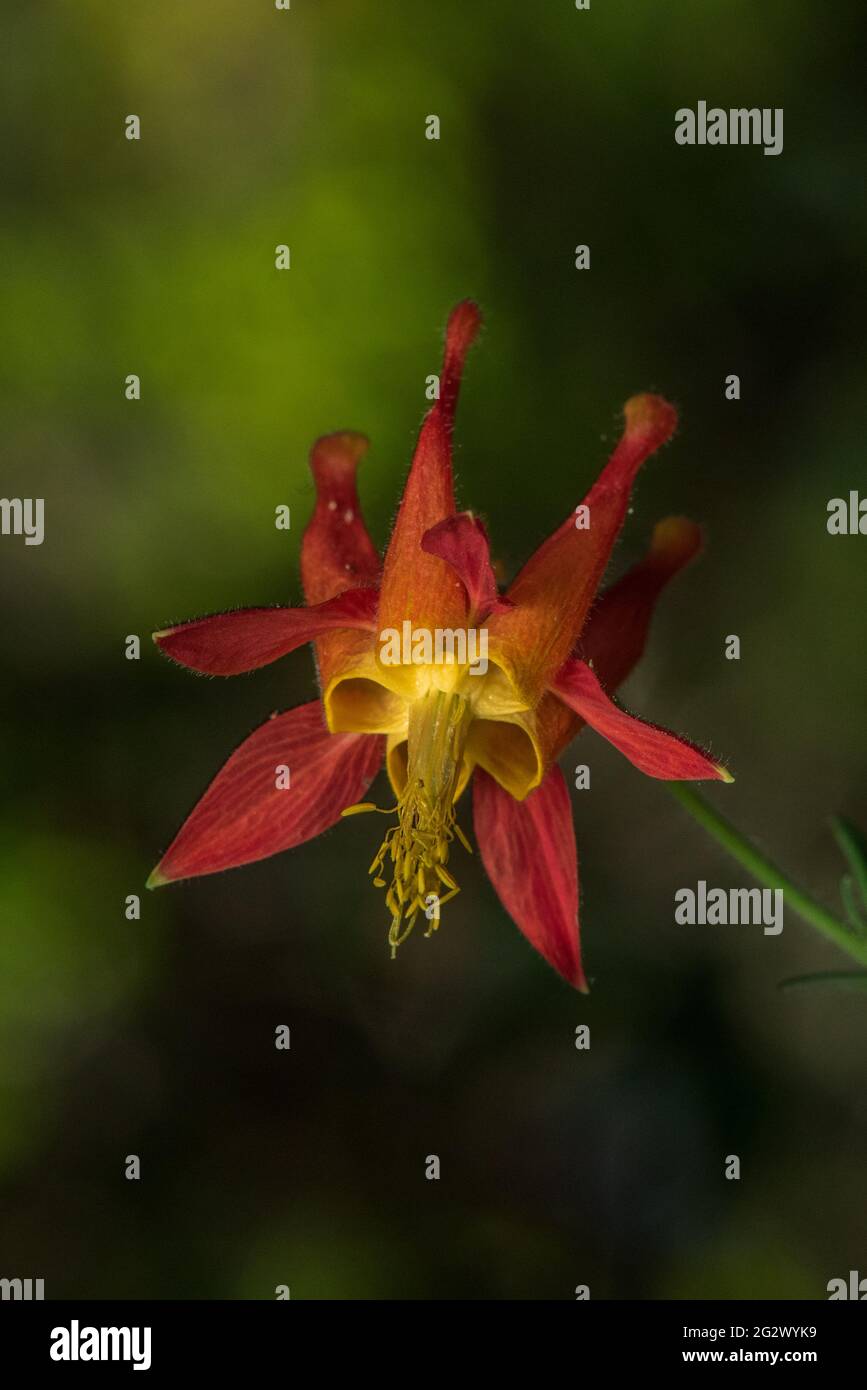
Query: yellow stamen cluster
{"points": [[418, 846]]}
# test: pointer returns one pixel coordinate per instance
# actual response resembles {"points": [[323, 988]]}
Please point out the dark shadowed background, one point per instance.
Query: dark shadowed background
{"points": [[156, 1037]]}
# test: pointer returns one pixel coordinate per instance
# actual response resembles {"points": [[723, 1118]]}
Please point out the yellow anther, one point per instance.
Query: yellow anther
{"points": [[463, 839], [445, 877]]}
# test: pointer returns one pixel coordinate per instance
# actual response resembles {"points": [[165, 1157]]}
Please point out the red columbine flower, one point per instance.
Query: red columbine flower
{"points": [[554, 660]]}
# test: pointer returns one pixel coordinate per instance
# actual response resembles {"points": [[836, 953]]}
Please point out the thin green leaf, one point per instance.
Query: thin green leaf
{"points": [[847, 893], [854, 847], [836, 979]]}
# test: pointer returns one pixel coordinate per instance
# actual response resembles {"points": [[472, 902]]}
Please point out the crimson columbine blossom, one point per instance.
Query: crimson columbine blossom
{"points": [[554, 661]]}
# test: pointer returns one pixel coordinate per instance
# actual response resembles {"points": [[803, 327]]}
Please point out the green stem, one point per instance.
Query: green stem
{"points": [[766, 872]]}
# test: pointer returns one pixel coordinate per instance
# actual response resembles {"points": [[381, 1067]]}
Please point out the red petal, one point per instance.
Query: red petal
{"points": [[617, 628], [528, 849], [336, 551], [226, 644], [462, 542], [651, 749], [416, 586], [553, 592], [244, 816]]}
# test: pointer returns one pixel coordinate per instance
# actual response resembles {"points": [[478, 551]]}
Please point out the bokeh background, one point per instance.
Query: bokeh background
{"points": [[155, 1037]]}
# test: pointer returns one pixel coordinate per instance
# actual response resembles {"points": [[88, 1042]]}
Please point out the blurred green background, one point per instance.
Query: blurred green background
{"points": [[306, 127]]}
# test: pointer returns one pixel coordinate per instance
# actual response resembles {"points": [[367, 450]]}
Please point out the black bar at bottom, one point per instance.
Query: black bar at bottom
{"points": [[219, 1338]]}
